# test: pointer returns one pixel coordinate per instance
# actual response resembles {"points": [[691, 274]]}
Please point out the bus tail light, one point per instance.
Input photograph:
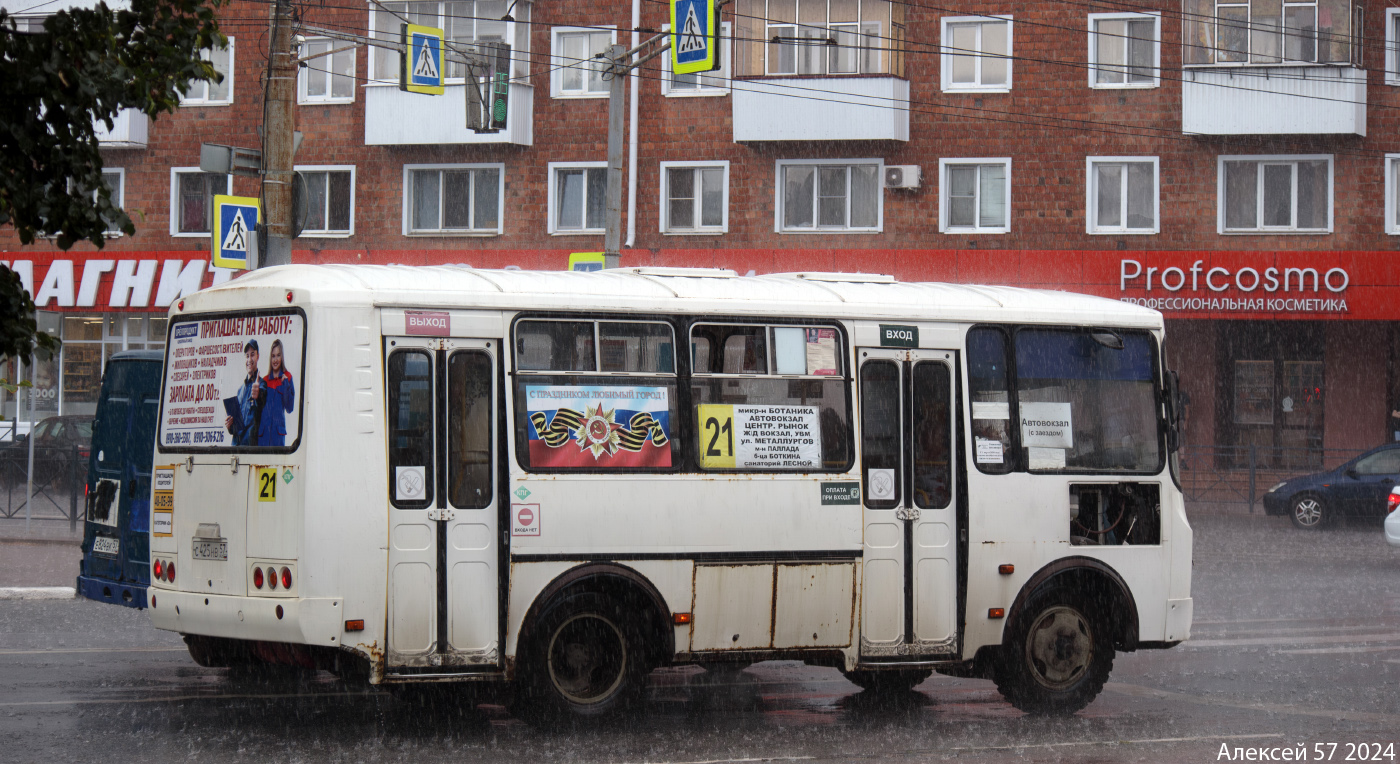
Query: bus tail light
{"points": [[271, 578], [257, 578], [160, 570], [286, 578], [170, 572], [680, 619]]}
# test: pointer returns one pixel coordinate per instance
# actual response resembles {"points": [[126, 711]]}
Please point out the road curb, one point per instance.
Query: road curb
{"points": [[37, 593], [75, 540]]}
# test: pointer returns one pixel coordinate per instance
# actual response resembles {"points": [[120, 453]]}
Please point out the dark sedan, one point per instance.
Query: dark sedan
{"points": [[58, 442], [1358, 487]]}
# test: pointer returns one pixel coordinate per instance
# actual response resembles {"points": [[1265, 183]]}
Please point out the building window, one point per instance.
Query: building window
{"points": [[1124, 50], [819, 37], [453, 199], [1392, 196], [115, 181], [577, 73], [830, 196], [1392, 46], [714, 83], [976, 54], [577, 197], [694, 197], [1122, 195], [330, 201], [1282, 194], [199, 93], [192, 200], [329, 78], [1270, 32], [976, 195], [463, 22]]}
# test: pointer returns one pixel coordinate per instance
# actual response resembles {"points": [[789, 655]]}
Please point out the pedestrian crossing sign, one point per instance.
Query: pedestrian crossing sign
{"points": [[420, 67], [235, 235], [694, 36]]}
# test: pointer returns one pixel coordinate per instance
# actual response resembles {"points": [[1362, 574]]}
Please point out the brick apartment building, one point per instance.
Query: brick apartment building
{"points": [[1230, 162]]}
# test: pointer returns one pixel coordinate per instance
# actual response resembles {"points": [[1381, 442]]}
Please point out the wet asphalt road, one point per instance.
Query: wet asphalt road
{"points": [[1296, 641]]}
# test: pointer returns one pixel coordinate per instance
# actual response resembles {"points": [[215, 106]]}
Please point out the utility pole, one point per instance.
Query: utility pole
{"points": [[279, 128], [612, 240], [618, 68]]}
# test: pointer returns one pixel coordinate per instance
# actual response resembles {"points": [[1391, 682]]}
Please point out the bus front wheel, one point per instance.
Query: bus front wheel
{"points": [[584, 660], [1058, 656]]}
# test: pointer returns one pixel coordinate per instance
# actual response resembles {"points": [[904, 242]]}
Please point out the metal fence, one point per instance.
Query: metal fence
{"points": [[60, 475], [1241, 474]]}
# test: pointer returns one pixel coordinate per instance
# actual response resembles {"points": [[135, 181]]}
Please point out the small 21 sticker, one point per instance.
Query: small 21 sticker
{"points": [[522, 492]]}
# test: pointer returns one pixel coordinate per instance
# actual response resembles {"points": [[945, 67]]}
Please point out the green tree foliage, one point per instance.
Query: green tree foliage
{"points": [[87, 64], [19, 333]]}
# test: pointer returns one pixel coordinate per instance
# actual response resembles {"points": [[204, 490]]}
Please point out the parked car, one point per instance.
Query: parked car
{"points": [[1357, 488], [58, 440], [1392, 518]]}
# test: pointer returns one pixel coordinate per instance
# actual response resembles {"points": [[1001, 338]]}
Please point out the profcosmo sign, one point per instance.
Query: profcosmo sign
{"points": [[1214, 289]]}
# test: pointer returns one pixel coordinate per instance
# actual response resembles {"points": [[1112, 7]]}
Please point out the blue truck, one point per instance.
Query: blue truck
{"points": [[116, 548]]}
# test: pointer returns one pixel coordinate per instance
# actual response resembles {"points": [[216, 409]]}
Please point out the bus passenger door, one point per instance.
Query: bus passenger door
{"points": [[444, 583], [909, 581]]}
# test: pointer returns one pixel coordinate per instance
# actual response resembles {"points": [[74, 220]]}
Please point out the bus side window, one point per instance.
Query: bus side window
{"points": [[933, 448], [469, 430], [411, 429], [880, 433], [991, 399]]}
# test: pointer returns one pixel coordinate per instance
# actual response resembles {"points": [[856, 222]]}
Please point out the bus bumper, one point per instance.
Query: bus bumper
{"points": [[112, 592], [304, 620]]}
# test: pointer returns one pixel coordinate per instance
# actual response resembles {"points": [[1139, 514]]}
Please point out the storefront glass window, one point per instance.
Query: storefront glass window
{"points": [[1272, 376]]}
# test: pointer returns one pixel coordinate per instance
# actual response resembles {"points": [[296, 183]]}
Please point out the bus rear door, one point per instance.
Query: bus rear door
{"points": [[444, 573], [909, 582]]}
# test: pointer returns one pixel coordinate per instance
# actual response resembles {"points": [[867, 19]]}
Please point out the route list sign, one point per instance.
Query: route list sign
{"points": [[759, 437]]}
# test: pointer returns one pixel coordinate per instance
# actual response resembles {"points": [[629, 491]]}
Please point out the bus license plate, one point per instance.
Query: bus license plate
{"points": [[105, 545], [205, 549]]}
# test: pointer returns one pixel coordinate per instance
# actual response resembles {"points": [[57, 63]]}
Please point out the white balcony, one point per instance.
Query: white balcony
{"points": [[821, 109], [1274, 100], [129, 130], [396, 118]]}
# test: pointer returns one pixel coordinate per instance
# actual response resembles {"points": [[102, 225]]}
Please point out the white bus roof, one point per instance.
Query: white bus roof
{"points": [[695, 291]]}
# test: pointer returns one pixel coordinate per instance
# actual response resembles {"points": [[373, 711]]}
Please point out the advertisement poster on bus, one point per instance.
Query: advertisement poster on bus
{"points": [[233, 382], [596, 427]]}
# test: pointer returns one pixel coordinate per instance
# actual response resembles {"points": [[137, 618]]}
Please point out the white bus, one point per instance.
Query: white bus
{"points": [[563, 480]]}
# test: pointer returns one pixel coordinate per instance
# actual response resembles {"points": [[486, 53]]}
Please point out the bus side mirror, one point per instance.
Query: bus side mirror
{"points": [[1174, 410]]}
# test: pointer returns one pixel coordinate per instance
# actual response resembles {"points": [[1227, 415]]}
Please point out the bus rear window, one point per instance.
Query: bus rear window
{"points": [[232, 382]]}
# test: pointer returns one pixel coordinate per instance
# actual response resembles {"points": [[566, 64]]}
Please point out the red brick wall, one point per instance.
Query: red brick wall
{"points": [[1048, 167]]}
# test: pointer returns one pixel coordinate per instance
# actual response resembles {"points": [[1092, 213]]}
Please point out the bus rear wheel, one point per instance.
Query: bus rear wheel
{"points": [[888, 682], [1057, 657], [584, 661]]}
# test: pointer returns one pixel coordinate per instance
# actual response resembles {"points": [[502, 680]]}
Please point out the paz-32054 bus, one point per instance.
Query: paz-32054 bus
{"points": [[562, 480]]}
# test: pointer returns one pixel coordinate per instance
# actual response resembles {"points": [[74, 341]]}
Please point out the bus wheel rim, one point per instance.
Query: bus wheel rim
{"points": [[1059, 647], [587, 658]]}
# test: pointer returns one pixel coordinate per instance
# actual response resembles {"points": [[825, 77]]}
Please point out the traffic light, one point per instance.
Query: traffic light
{"points": [[498, 100]]}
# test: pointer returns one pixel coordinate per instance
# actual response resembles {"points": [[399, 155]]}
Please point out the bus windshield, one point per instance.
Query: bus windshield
{"points": [[1087, 400]]}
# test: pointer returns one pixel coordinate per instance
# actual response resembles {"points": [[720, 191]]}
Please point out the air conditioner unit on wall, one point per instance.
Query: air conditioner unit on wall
{"points": [[902, 176]]}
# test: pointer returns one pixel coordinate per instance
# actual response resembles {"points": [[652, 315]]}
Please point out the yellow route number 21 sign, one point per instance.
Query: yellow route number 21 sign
{"points": [[716, 436], [267, 484]]}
